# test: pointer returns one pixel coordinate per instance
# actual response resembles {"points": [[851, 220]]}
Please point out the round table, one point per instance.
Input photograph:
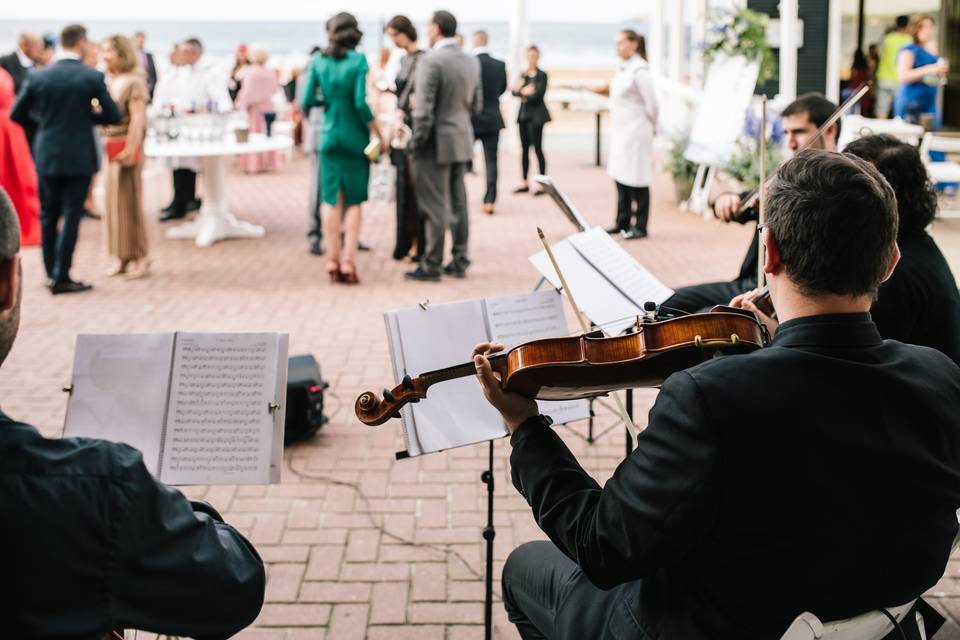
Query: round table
{"points": [[215, 222]]}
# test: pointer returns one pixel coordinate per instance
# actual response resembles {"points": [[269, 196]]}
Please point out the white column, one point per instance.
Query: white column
{"points": [[519, 39], [789, 19], [676, 41], [834, 24], [655, 38], [699, 34]]}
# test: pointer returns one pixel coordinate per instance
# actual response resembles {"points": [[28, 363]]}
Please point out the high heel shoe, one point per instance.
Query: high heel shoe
{"points": [[142, 271], [333, 270], [118, 270], [348, 276]]}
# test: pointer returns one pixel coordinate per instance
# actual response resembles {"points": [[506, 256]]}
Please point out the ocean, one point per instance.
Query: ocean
{"points": [[566, 46]]}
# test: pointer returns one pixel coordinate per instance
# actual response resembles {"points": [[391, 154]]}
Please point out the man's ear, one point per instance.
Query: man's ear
{"points": [[894, 259], [771, 263], [9, 283]]}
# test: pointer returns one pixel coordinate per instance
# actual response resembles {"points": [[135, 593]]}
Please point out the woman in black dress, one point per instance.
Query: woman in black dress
{"points": [[531, 88]]}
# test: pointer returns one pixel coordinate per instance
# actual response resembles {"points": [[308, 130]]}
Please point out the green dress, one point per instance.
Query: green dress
{"points": [[343, 86]]}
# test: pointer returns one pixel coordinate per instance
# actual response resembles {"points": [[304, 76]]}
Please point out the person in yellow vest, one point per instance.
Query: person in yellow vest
{"points": [[887, 82]]}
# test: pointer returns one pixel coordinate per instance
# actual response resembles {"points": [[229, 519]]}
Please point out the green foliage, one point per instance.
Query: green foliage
{"points": [[679, 167], [744, 165], [742, 32]]}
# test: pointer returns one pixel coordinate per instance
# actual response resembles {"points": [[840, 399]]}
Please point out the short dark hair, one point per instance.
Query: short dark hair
{"points": [[194, 42], [816, 106], [902, 166], [402, 24], [834, 218], [344, 33], [72, 35], [902, 22], [446, 22]]}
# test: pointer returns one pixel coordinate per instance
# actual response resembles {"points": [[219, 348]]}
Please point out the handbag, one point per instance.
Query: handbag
{"points": [[115, 147]]}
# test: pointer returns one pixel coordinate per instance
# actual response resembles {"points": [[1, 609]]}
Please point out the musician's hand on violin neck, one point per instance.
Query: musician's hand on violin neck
{"points": [[745, 301], [514, 407]]}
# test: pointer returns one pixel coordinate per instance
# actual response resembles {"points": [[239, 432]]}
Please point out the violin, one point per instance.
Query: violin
{"points": [[589, 364]]}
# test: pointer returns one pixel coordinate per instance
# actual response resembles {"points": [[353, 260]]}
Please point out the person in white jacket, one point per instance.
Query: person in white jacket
{"points": [[633, 123]]}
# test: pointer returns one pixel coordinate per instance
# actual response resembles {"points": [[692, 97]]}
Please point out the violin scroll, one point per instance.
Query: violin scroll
{"points": [[373, 410]]}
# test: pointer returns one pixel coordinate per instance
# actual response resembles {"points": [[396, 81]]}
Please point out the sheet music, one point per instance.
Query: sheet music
{"points": [[619, 267], [219, 428], [521, 318], [119, 391], [599, 300]]}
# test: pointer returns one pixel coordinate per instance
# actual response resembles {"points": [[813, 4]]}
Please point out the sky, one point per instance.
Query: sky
{"points": [[465, 10]]}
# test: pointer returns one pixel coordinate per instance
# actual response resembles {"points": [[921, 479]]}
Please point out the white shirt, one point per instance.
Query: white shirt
{"points": [[25, 61], [66, 55], [480, 50], [445, 42], [192, 87]]}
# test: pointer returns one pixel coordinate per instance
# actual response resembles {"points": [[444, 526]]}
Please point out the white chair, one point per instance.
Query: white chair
{"points": [[869, 626], [941, 171]]}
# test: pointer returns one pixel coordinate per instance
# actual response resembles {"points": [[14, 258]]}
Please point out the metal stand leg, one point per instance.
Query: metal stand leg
{"points": [[489, 533], [597, 160], [629, 403], [590, 422]]}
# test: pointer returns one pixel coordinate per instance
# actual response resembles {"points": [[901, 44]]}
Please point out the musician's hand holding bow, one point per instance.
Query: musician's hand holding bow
{"points": [[745, 301], [727, 206], [514, 407]]}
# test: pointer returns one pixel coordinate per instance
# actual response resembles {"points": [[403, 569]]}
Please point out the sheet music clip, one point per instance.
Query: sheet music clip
{"points": [[423, 305], [273, 407], [68, 389]]}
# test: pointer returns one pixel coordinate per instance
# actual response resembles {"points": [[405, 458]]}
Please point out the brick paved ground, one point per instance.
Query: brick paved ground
{"points": [[333, 573]]}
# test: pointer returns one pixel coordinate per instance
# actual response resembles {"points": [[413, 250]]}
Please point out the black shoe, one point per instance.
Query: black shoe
{"points": [[316, 248], [633, 234], [539, 192], [176, 214], [194, 205], [522, 190], [455, 270], [613, 230], [361, 246], [91, 215], [422, 276], [169, 208], [69, 287]]}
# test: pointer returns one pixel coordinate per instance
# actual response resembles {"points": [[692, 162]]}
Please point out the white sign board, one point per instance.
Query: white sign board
{"points": [[719, 122]]}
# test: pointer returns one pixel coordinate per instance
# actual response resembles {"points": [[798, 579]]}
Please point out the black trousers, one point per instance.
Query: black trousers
{"points": [[700, 297], [531, 135], [410, 224], [547, 596], [632, 201], [314, 224], [491, 142], [184, 188], [61, 198]]}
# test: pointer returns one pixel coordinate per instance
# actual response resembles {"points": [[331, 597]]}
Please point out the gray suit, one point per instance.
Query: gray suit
{"points": [[447, 94]]}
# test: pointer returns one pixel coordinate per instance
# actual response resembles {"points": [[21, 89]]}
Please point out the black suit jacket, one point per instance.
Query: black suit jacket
{"points": [[11, 62], [493, 79], [60, 98], [821, 474], [532, 108], [151, 73]]}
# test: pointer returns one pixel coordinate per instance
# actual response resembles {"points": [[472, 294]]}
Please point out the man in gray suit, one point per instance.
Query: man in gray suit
{"points": [[448, 93]]}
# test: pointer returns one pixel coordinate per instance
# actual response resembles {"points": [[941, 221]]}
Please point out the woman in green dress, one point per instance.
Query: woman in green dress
{"points": [[337, 82]]}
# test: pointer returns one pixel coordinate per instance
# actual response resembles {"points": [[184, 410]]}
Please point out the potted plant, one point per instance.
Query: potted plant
{"points": [[681, 170]]}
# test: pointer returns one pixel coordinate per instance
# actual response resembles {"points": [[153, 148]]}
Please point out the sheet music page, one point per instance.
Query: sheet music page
{"points": [[622, 269], [407, 422], [599, 300], [524, 317], [455, 413], [219, 429], [120, 384]]}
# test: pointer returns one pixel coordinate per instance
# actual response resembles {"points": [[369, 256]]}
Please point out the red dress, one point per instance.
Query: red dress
{"points": [[18, 176]]}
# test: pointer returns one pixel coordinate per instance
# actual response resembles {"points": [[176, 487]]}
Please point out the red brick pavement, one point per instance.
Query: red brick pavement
{"points": [[341, 562]]}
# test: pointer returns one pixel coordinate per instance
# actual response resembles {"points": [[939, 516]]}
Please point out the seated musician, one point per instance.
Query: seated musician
{"points": [[821, 473], [801, 120], [92, 542]]}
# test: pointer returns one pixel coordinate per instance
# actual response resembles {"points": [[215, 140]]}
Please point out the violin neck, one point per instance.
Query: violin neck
{"points": [[458, 371]]}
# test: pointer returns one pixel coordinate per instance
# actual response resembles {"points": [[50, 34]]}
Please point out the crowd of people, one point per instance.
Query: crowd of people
{"points": [[906, 68]]}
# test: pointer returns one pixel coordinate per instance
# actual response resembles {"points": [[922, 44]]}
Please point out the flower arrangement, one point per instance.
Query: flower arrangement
{"points": [[741, 32], [744, 165]]}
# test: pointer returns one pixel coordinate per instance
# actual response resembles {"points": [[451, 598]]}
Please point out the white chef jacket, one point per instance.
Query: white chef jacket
{"points": [[188, 87], [633, 123]]}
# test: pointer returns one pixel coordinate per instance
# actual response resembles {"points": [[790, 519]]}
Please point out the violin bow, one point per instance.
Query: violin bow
{"points": [[627, 421], [848, 104], [762, 213]]}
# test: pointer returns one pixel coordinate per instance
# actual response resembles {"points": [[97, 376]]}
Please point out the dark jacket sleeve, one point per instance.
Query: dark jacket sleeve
{"points": [[539, 88], [653, 510], [110, 112], [24, 104], [178, 569]]}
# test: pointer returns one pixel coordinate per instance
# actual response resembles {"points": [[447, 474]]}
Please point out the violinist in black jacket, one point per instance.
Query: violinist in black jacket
{"points": [[826, 464], [92, 542]]}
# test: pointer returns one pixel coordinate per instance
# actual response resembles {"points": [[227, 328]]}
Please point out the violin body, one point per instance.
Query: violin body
{"points": [[589, 365]]}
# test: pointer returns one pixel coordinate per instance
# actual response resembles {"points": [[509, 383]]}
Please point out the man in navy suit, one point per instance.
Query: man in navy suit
{"points": [[68, 99], [488, 123]]}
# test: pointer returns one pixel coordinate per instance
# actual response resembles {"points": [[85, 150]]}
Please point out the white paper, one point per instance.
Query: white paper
{"points": [[524, 317], [219, 427], [119, 391], [454, 413], [629, 277], [599, 300]]}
